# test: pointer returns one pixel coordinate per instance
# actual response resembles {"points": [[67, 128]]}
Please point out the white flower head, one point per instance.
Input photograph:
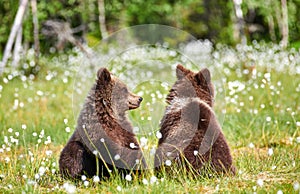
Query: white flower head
{"points": [[153, 179], [128, 177], [24, 126], [66, 121], [168, 162], [42, 170], [143, 141], [36, 176], [196, 152], [86, 183], [158, 134], [96, 179], [119, 188], [251, 145], [270, 151], [145, 181], [279, 192], [296, 186], [95, 152], [83, 177], [69, 188], [117, 157], [260, 182]]}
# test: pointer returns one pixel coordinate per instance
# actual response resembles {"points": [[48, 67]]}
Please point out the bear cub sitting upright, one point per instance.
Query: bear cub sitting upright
{"points": [[190, 131], [104, 138]]}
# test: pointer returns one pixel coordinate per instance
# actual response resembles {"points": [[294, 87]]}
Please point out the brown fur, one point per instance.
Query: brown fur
{"points": [[190, 130], [102, 126]]}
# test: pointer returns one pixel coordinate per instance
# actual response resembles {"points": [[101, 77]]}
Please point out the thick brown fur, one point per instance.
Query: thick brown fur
{"points": [[103, 133], [190, 130]]}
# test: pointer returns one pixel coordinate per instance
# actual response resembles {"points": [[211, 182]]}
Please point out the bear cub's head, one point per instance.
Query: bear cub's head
{"points": [[112, 93], [191, 85]]}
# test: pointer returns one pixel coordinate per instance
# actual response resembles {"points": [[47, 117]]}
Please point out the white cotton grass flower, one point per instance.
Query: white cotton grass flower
{"points": [[270, 151], [70, 188], [48, 152], [153, 179], [251, 145], [158, 134], [7, 159], [86, 183], [68, 129], [66, 121], [143, 141], [152, 151], [254, 188], [36, 176], [260, 182], [196, 152], [23, 126], [268, 119], [298, 123], [117, 157], [42, 171], [296, 186], [128, 177], [168, 162], [83, 177], [119, 188], [145, 181], [96, 179], [298, 139], [279, 192]]}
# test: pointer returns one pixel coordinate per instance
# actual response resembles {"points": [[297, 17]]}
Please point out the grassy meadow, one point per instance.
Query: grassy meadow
{"points": [[257, 102]]}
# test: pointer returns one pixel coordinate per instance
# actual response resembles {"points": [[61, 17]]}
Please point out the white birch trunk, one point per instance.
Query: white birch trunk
{"points": [[15, 28], [285, 27], [101, 8], [240, 20], [35, 30], [17, 48]]}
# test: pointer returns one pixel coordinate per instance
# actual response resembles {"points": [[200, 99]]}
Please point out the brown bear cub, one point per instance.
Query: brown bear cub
{"points": [[104, 138], [190, 131]]}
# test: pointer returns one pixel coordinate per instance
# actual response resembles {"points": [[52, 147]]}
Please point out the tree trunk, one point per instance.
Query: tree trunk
{"points": [[271, 28], [285, 27], [101, 8], [240, 21], [16, 26], [35, 31], [17, 48]]}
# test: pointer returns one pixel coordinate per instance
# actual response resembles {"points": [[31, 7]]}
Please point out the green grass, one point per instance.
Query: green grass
{"points": [[269, 121]]}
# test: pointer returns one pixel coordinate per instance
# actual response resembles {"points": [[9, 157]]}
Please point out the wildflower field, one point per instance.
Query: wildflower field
{"points": [[257, 103]]}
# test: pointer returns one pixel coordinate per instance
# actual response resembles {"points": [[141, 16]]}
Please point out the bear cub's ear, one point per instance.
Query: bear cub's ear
{"points": [[203, 76], [103, 75], [181, 71]]}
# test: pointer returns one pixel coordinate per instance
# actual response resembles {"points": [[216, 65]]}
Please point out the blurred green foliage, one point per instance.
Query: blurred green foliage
{"points": [[205, 19]]}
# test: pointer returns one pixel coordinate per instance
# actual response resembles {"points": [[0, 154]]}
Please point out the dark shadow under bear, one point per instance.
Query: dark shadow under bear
{"points": [[104, 138], [190, 130]]}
